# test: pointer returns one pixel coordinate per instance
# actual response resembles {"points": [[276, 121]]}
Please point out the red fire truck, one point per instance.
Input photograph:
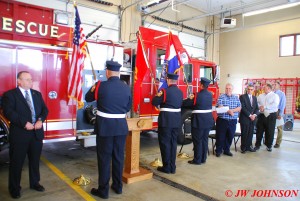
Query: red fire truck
{"points": [[155, 44], [38, 45]]}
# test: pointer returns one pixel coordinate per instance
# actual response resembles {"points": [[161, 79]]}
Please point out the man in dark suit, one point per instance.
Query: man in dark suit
{"points": [[26, 110], [247, 118], [169, 122], [202, 121], [113, 102]]}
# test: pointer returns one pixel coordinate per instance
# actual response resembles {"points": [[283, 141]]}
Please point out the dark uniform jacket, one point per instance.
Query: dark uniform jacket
{"points": [[17, 111], [173, 99], [247, 108], [114, 97], [201, 101]]}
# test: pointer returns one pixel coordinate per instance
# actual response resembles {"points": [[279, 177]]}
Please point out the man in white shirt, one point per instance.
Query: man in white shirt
{"points": [[268, 106]]}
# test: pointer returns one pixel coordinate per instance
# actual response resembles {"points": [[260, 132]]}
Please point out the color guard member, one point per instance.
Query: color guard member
{"points": [[169, 122], [113, 102], [202, 120]]}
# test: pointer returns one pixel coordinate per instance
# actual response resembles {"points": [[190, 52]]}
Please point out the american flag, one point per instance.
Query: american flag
{"points": [[77, 63]]}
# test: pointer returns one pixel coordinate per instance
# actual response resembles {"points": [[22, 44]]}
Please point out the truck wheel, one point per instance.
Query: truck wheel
{"points": [[4, 133], [186, 127]]}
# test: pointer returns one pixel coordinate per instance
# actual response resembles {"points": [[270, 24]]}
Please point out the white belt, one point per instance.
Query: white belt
{"points": [[201, 111], [170, 109], [106, 115]]}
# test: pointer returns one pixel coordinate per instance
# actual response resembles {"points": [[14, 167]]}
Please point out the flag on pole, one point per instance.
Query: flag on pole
{"points": [[172, 62], [77, 63], [140, 70]]}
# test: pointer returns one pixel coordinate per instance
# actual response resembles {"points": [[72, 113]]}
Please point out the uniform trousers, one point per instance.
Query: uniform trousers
{"points": [[110, 149], [247, 135], [167, 138], [200, 143], [225, 130], [18, 149], [267, 125]]}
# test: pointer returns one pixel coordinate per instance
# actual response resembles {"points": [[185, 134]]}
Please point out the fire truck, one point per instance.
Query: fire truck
{"points": [[155, 44], [38, 45], [31, 41]]}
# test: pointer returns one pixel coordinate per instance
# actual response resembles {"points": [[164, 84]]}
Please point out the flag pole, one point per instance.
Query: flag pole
{"points": [[181, 65], [147, 60], [88, 51]]}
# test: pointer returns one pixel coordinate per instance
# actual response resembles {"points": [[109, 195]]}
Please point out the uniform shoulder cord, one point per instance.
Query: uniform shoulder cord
{"points": [[195, 98], [96, 90], [165, 95]]}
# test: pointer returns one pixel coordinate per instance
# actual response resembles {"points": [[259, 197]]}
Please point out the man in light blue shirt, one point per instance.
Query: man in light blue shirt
{"points": [[280, 113]]}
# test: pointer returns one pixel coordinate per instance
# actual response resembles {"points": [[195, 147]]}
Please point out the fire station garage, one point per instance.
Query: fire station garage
{"points": [[241, 141]]}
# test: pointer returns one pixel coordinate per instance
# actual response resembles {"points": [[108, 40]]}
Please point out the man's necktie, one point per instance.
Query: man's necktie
{"points": [[30, 106], [250, 97]]}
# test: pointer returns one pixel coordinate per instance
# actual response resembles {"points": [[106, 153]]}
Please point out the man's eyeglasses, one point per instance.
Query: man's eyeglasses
{"points": [[249, 89]]}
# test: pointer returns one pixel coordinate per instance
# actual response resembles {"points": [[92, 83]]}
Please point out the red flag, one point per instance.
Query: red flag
{"points": [[141, 67], [77, 63]]}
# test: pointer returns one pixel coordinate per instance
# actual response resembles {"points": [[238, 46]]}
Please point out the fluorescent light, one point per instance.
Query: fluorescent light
{"points": [[271, 9]]}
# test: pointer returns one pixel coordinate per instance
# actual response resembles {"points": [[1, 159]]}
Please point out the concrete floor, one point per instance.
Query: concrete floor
{"points": [[219, 179]]}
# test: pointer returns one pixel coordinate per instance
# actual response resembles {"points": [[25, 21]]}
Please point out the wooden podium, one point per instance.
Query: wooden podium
{"points": [[132, 170]]}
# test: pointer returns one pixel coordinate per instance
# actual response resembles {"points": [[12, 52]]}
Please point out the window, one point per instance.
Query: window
{"points": [[188, 73], [159, 63], [207, 72], [289, 45], [298, 44]]}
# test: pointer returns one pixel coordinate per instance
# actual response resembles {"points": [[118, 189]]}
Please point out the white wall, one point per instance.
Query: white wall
{"points": [[253, 51]]}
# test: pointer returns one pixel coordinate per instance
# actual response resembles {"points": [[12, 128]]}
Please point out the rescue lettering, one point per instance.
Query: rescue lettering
{"points": [[31, 27]]}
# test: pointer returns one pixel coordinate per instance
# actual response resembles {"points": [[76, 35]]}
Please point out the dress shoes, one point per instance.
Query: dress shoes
{"points": [[251, 149], [161, 169], [38, 187], [116, 190], [96, 192], [269, 149], [218, 154], [257, 148], [243, 151], [193, 162], [15, 195], [276, 145], [228, 153]]}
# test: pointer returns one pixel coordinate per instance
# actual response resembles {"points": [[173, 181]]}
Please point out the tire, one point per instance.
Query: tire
{"points": [[186, 127], [4, 133]]}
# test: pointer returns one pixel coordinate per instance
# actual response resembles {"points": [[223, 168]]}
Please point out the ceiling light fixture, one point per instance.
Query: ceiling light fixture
{"points": [[153, 2], [271, 9]]}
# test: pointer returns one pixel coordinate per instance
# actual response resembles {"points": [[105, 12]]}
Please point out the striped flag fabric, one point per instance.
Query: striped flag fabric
{"points": [[77, 63], [172, 63]]}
